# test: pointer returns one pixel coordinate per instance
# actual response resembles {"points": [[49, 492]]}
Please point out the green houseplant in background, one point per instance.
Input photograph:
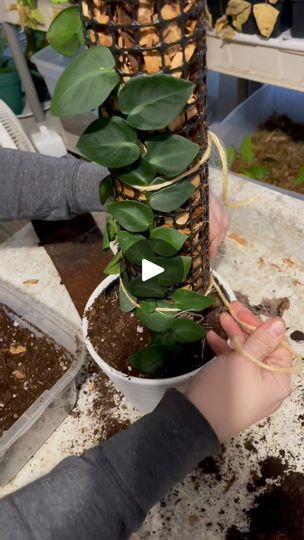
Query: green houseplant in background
{"points": [[10, 84]]}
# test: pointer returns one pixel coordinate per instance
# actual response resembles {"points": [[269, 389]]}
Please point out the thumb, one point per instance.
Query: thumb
{"points": [[265, 339]]}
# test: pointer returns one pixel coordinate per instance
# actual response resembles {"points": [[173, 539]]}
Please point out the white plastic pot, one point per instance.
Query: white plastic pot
{"points": [[144, 394]]}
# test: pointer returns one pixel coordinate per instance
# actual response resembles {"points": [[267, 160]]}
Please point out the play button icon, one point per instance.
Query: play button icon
{"points": [[150, 270]]}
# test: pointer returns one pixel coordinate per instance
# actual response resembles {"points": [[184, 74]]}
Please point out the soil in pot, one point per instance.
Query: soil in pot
{"points": [[276, 155], [115, 336], [29, 364]]}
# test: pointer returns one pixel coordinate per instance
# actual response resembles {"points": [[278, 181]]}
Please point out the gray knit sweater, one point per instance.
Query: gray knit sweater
{"points": [[106, 493]]}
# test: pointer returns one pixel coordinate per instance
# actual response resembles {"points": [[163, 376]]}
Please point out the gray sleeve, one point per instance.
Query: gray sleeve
{"points": [[106, 493], [34, 186]]}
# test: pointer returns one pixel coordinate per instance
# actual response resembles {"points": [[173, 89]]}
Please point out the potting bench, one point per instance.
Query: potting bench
{"points": [[263, 258]]}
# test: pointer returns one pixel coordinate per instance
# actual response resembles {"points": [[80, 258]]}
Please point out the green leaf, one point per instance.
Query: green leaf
{"points": [[111, 142], [170, 154], [190, 300], [149, 359], [125, 304], [300, 177], [258, 172], [147, 289], [66, 31], [105, 189], [167, 241], [112, 228], [171, 198], [114, 265], [247, 153], [147, 306], [135, 247], [105, 239], [187, 331], [139, 173], [152, 102], [86, 83], [157, 322], [132, 215], [176, 270], [231, 155]]}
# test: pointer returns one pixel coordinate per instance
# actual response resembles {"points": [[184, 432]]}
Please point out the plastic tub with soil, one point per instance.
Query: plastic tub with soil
{"points": [[274, 154], [112, 337], [40, 357]]}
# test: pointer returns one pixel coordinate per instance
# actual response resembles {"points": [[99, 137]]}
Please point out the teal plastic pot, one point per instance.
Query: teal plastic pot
{"points": [[10, 89]]}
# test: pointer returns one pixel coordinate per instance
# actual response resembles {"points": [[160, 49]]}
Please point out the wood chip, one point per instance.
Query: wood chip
{"points": [[153, 62], [145, 11], [20, 375], [170, 11], [17, 349]]}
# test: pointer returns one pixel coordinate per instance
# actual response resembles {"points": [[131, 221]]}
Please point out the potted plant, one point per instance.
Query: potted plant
{"points": [[10, 84], [148, 79]]}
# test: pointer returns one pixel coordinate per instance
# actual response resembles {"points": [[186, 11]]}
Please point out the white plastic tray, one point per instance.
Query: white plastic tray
{"points": [[33, 428]]}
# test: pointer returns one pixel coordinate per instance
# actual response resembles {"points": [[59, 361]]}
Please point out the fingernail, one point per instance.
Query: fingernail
{"points": [[277, 327]]}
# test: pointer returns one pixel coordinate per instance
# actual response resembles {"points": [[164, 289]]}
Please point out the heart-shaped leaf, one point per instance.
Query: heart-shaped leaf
{"points": [[147, 289], [152, 102], [131, 215], [114, 265], [258, 172], [171, 198], [190, 300], [167, 241], [170, 154], [186, 331], [66, 31], [158, 322], [149, 359], [135, 247], [231, 155], [176, 270], [111, 142], [125, 304], [139, 173], [85, 83], [300, 177]]}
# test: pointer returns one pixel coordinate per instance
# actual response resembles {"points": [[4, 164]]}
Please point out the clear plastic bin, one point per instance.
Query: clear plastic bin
{"points": [[51, 65], [34, 427], [249, 115]]}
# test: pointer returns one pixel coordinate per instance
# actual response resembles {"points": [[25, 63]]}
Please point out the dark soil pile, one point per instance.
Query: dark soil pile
{"points": [[279, 147], [277, 513], [116, 336], [30, 363]]}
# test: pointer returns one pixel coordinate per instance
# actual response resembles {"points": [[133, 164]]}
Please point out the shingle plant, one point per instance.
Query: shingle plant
{"points": [[157, 188]]}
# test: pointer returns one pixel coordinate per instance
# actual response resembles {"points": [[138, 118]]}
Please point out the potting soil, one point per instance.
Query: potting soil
{"points": [[278, 147], [29, 365]]}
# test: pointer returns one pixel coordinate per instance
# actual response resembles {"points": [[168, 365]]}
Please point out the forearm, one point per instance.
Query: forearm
{"points": [[34, 186], [108, 491]]}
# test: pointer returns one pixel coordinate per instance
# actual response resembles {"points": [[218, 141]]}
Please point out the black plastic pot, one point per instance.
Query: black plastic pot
{"points": [[283, 20], [217, 9], [297, 28]]}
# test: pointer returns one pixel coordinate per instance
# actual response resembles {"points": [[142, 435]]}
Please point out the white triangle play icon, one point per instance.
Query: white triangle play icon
{"points": [[150, 270]]}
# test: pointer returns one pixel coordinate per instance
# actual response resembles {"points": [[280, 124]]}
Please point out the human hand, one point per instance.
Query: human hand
{"points": [[219, 223], [231, 392]]}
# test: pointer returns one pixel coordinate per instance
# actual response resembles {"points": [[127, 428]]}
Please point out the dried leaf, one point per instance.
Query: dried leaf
{"points": [[208, 16], [17, 349], [20, 375], [241, 18], [266, 18], [228, 33], [31, 282], [235, 7], [221, 23], [273, 2]]}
